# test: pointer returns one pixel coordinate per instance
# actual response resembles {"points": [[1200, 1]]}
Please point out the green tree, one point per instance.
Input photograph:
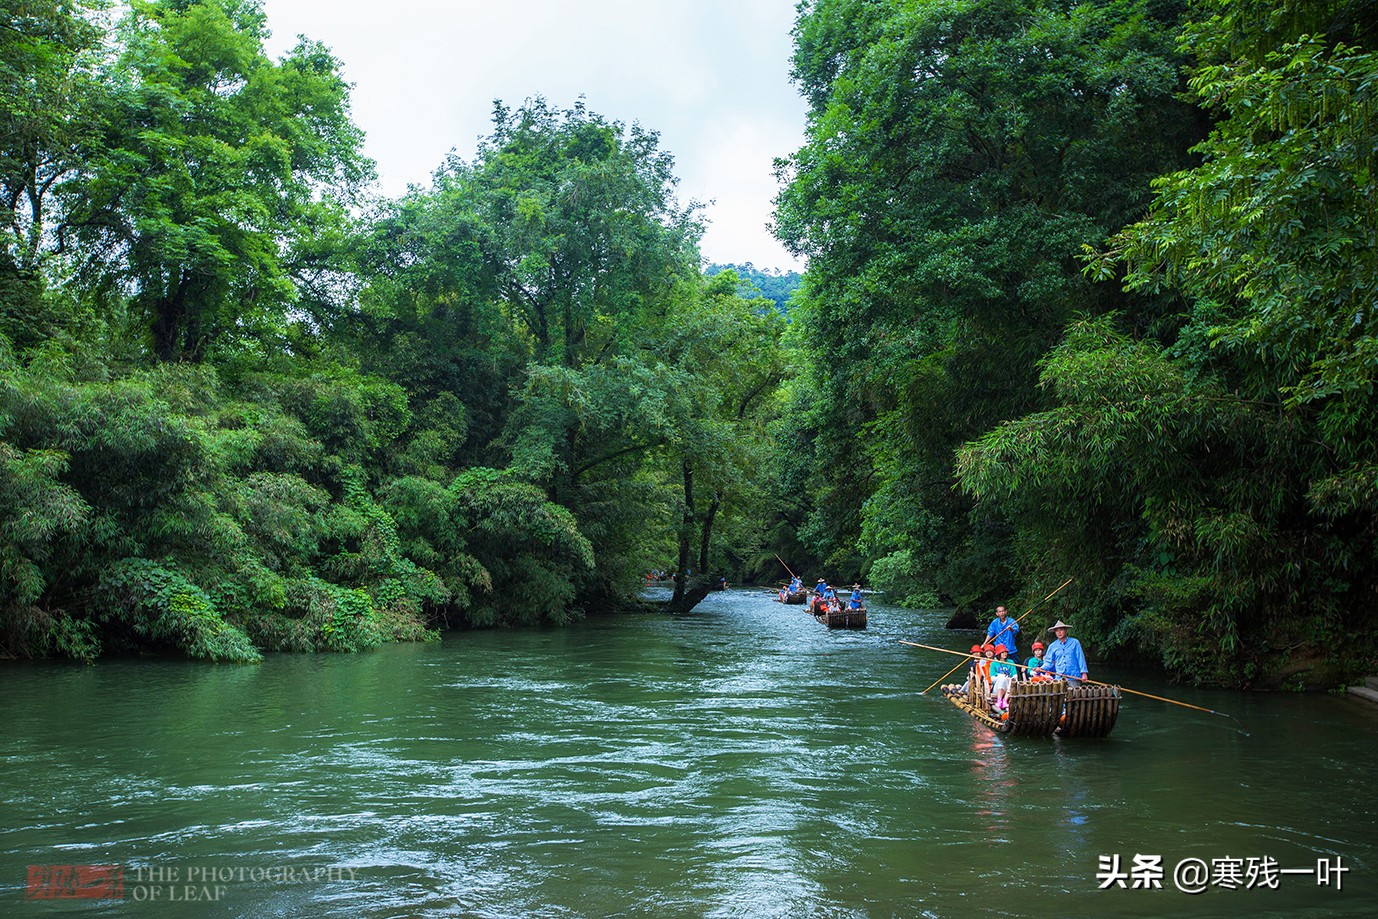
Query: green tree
{"points": [[218, 168], [51, 115], [578, 224], [729, 350]]}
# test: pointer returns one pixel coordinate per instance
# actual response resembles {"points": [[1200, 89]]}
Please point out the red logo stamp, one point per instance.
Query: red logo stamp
{"points": [[75, 882]]}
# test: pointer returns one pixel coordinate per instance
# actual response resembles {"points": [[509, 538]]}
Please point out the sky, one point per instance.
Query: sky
{"points": [[711, 76]]}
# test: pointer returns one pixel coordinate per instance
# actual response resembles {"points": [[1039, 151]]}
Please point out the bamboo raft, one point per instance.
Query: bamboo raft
{"points": [[796, 598], [1041, 709], [843, 618]]}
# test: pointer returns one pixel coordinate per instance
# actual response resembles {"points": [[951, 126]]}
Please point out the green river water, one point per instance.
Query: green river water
{"points": [[738, 761]]}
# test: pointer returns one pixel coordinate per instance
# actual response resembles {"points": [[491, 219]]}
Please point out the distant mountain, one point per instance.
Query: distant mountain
{"points": [[770, 283]]}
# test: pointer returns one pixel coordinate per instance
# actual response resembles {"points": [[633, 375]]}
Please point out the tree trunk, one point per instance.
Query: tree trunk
{"points": [[702, 588], [707, 535], [686, 536], [170, 323]]}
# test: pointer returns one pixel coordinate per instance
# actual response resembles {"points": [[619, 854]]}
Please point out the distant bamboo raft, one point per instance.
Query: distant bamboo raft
{"points": [[1041, 709]]}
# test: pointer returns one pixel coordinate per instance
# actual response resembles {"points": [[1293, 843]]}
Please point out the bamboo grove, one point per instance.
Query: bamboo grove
{"points": [[1090, 292]]}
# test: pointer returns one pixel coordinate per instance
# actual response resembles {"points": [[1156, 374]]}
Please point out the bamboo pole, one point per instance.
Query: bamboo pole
{"points": [[1026, 612], [1147, 695]]}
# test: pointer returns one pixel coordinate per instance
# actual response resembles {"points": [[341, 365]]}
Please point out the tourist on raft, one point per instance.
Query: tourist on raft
{"points": [[1003, 631], [976, 672], [855, 602], [987, 658], [1002, 674], [1064, 657], [1036, 661]]}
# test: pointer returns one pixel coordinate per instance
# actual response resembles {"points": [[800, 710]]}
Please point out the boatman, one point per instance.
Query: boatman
{"points": [[1064, 657], [821, 588], [856, 597], [1003, 631]]}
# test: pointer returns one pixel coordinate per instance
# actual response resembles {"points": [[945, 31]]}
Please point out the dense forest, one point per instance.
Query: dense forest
{"points": [[245, 407], [1091, 289], [1089, 294]]}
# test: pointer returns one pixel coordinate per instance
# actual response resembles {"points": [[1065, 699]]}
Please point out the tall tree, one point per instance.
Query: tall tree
{"points": [[580, 233], [579, 225], [52, 97], [219, 164], [728, 348]]}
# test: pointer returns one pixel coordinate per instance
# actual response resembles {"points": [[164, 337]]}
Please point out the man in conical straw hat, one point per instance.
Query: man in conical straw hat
{"points": [[1064, 657]]}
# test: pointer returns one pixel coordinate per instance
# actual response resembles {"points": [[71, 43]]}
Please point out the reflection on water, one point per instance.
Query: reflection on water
{"points": [[994, 782], [738, 761]]}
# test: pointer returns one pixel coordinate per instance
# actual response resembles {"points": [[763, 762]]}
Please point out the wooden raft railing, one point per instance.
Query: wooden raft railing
{"points": [[1091, 711], [1035, 708]]}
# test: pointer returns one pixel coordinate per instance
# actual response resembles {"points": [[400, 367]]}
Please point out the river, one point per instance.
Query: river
{"points": [[737, 761]]}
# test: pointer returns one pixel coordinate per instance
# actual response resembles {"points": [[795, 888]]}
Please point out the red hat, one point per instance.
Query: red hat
{"points": [[1038, 646], [975, 649], [1001, 649], [988, 649]]}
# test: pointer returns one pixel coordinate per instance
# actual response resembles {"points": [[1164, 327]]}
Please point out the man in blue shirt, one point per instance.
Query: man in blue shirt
{"points": [[1003, 631], [856, 597], [1064, 656]]}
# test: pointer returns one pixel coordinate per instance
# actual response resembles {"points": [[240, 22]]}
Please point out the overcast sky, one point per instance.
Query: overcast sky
{"points": [[712, 76]]}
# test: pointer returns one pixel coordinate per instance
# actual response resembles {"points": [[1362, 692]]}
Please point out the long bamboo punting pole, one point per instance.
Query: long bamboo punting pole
{"points": [[1147, 695], [1026, 612]]}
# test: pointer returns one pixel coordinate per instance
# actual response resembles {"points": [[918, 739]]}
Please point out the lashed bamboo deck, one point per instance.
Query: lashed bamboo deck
{"points": [[1044, 708]]}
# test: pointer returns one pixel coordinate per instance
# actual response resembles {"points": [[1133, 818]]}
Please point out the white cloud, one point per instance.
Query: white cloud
{"points": [[710, 75]]}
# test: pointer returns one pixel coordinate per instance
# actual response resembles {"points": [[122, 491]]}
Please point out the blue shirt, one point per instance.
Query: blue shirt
{"points": [[1003, 633], [856, 598], [1065, 658]]}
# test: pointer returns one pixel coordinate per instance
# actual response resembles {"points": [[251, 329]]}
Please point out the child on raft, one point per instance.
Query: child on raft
{"points": [[1002, 674], [976, 672]]}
